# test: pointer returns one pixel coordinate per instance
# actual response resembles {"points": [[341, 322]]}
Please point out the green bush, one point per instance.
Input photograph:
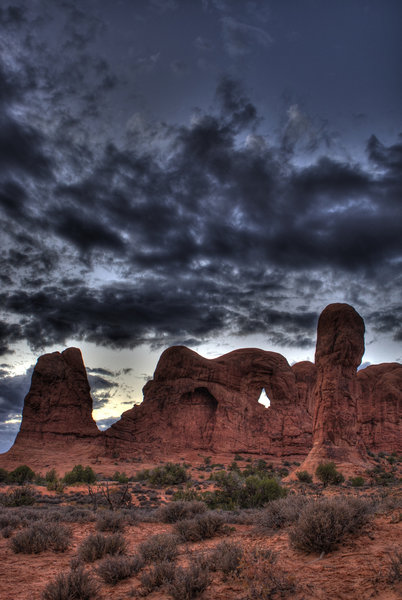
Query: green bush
{"points": [[3, 475], [357, 481], [327, 473], [257, 491], [79, 474], [21, 475], [120, 477], [304, 476], [51, 476], [169, 474], [21, 496]]}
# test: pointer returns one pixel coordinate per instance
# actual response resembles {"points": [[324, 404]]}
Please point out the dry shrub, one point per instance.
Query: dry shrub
{"points": [[158, 576], [115, 568], [225, 557], [262, 577], [109, 520], [201, 527], [179, 510], [159, 547], [280, 513], [9, 519], [76, 584], [41, 536], [395, 568], [97, 546], [322, 525], [190, 582]]}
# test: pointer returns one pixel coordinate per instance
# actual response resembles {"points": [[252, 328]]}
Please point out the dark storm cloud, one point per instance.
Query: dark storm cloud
{"points": [[388, 321], [13, 389], [101, 390], [200, 227], [193, 225]]}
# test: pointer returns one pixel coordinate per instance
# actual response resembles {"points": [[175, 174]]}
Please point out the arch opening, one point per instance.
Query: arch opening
{"points": [[263, 399]]}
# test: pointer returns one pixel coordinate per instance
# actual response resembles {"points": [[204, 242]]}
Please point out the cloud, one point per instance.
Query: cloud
{"points": [[240, 39], [176, 233]]}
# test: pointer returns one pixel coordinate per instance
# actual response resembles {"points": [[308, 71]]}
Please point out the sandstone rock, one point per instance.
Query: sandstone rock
{"points": [[325, 410], [196, 403], [339, 350], [380, 408], [59, 401]]}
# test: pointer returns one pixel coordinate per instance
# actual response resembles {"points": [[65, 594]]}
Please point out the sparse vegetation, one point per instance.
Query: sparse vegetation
{"points": [[41, 536], [304, 476], [97, 546], [357, 481], [189, 582], [201, 527], [79, 474], [157, 576], [322, 525], [179, 510], [225, 557], [165, 475], [20, 475], [21, 496], [159, 547], [395, 568], [110, 521], [115, 568], [76, 584], [280, 513], [327, 473], [263, 578]]}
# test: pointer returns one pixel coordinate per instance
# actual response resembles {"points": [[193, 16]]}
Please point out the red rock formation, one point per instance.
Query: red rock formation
{"points": [[58, 402], [306, 377], [339, 350], [197, 403], [380, 408], [194, 403]]}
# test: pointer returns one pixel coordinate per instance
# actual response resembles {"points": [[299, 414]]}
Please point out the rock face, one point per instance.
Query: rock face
{"points": [[197, 403], [59, 401], [380, 408], [337, 394], [321, 411]]}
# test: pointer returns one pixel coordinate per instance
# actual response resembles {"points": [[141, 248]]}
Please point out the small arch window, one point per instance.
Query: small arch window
{"points": [[263, 399]]}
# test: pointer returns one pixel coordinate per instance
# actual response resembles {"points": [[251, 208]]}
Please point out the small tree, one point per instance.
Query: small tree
{"points": [[21, 475], [304, 476], [327, 473]]}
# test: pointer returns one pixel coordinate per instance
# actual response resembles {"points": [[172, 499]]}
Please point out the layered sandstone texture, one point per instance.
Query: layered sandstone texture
{"points": [[322, 411], [59, 402], [337, 394], [193, 402]]}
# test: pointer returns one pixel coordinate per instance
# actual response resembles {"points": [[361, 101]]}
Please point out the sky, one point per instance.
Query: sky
{"points": [[210, 173]]}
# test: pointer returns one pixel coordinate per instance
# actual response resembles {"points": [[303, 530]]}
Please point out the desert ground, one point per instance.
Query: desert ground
{"points": [[212, 543]]}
